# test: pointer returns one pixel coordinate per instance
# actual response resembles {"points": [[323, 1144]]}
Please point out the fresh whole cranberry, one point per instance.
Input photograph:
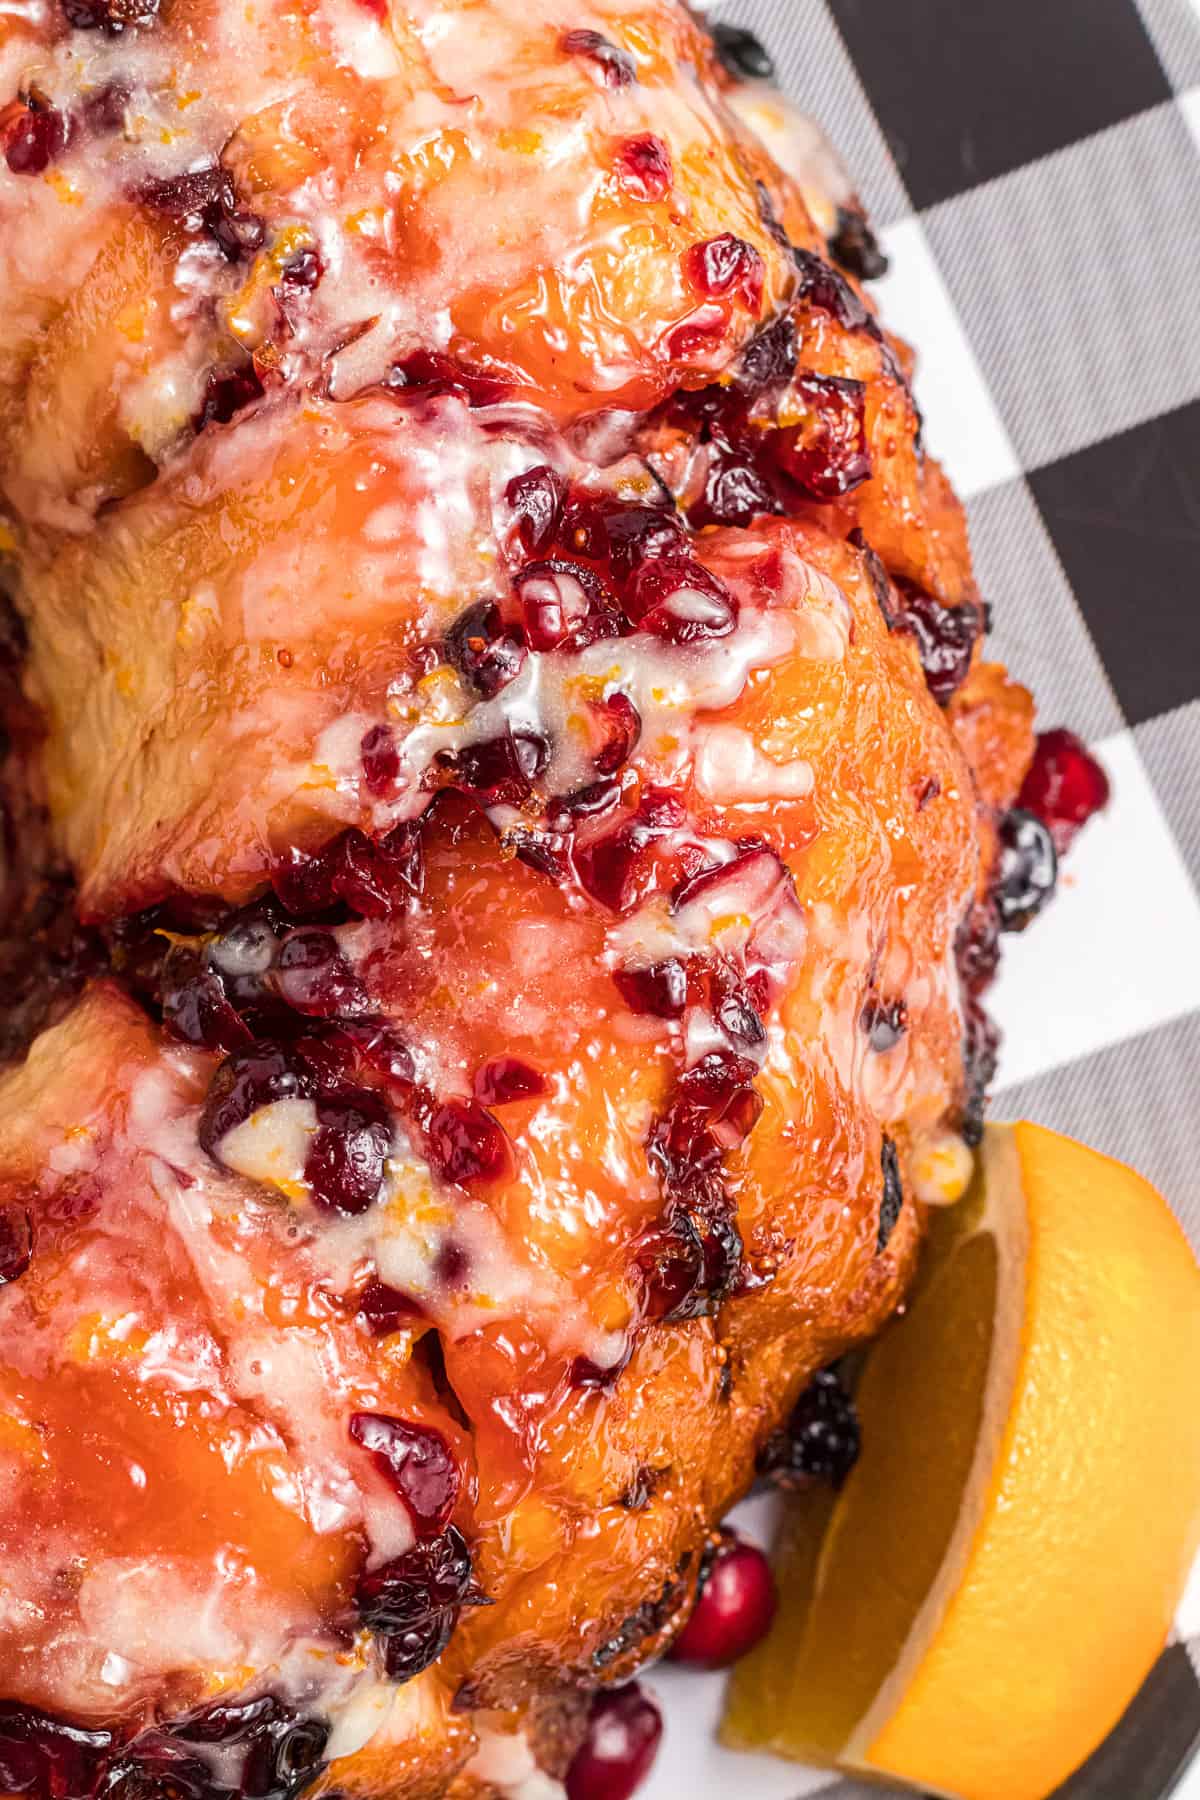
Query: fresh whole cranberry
{"points": [[418, 1463], [1065, 785], [616, 66], [725, 265], [536, 497], [623, 1734], [735, 1605], [1027, 871], [820, 1441], [16, 1242], [644, 167]]}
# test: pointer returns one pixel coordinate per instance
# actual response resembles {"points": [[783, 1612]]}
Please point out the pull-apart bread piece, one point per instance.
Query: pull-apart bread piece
{"points": [[505, 805]]}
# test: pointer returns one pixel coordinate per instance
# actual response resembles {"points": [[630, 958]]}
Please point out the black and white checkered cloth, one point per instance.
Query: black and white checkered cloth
{"points": [[1032, 168]]}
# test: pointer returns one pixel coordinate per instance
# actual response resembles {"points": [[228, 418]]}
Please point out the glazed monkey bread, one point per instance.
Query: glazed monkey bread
{"points": [[505, 815]]}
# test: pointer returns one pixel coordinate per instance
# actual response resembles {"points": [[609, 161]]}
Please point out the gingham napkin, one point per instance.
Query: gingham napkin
{"points": [[1032, 168]]}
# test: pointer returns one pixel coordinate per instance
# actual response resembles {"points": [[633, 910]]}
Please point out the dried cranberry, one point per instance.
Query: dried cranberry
{"points": [[502, 768], [16, 1242], [614, 869], [248, 1080], [434, 373], [735, 1012], [644, 167], [434, 1574], [981, 1045], [565, 604], [620, 724], [195, 1006], [623, 1733], [486, 652], [769, 357], [734, 493], [715, 1106], [821, 1439], [636, 533], [465, 1143], [105, 109], [372, 876], [678, 599], [893, 1195], [111, 16], [380, 761], [313, 976], [206, 200], [1027, 871], [346, 1157], [616, 66], [823, 287], [945, 635], [742, 54], [856, 247], [409, 1652], [725, 265], [692, 1263], [285, 1758], [302, 272], [33, 134], [227, 391], [1065, 785], [385, 1309], [505, 1079], [45, 1756], [660, 989], [418, 1463], [536, 497], [825, 453], [884, 1021], [735, 1604]]}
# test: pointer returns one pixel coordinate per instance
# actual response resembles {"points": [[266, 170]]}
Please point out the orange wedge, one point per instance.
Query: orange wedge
{"points": [[975, 1609]]}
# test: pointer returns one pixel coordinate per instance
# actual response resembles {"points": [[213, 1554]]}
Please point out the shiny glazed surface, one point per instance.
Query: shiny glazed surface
{"points": [[507, 692]]}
